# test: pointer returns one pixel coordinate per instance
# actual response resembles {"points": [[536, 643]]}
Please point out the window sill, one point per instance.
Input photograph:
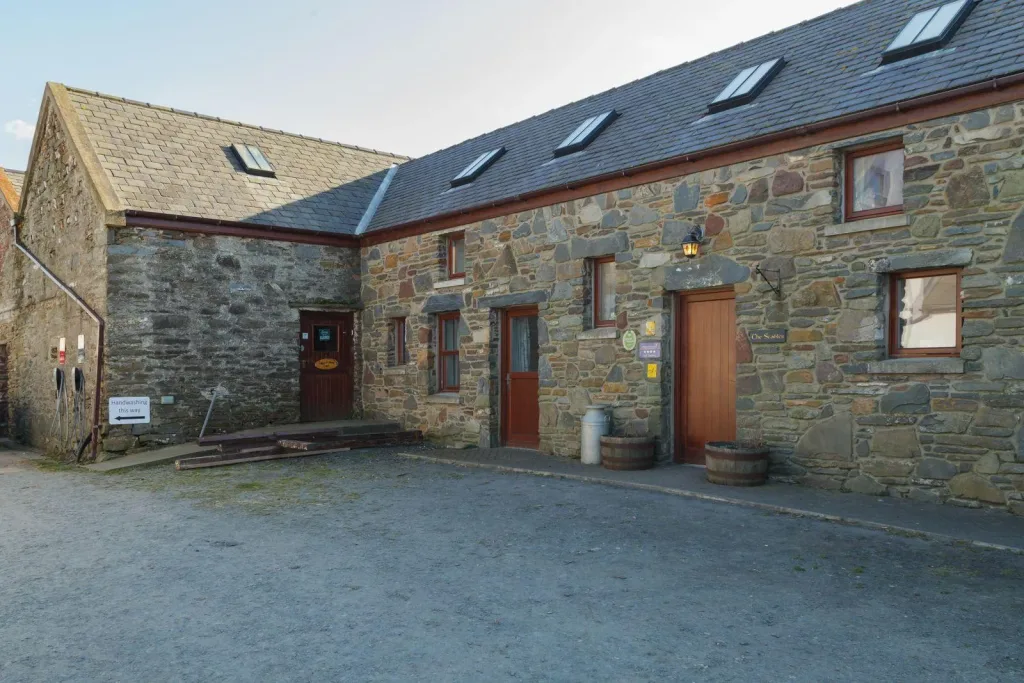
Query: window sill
{"points": [[445, 397], [455, 282], [395, 370], [899, 220], [598, 333], [917, 366]]}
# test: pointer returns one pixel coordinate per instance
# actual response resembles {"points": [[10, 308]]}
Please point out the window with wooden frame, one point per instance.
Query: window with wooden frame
{"points": [[456, 255], [925, 313], [874, 181], [448, 352], [603, 291], [397, 354]]}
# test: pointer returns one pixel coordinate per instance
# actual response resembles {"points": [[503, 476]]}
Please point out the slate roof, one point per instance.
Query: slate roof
{"points": [[17, 179], [180, 163], [833, 68]]}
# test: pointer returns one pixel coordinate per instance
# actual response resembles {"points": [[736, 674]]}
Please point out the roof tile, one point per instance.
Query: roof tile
{"points": [[832, 70], [162, 160]]}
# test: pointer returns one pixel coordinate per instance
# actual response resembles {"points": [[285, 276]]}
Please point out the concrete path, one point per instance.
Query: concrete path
{"points": [[985, 527], [154, 457]]}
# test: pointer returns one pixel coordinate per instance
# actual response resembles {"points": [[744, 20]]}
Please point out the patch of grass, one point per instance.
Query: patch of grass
{"points": [[906, 533], [858, 570], [798, 568], [947, 571], [54, 465]]}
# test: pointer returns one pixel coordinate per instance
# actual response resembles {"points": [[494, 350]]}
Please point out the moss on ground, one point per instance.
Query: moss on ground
{"points": [[267, 487]]}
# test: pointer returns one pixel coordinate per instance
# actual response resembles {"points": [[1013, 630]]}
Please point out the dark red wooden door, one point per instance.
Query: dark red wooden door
{"points": [[325, 364], [706, 373], [520, 384]]}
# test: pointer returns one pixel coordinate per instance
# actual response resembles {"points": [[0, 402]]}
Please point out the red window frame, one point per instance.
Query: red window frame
{"points": [[444, 355], [596, 289], [452, 239], [894, 305], [398, 332], [851, 156]]}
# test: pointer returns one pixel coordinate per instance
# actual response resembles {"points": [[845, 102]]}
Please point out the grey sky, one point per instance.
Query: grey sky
{"points": [[401, 76]]}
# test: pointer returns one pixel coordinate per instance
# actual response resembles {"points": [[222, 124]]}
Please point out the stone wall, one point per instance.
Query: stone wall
{"points": [[6, 309], [4, 407], [65, 227], [837, 412], [189, 313]]}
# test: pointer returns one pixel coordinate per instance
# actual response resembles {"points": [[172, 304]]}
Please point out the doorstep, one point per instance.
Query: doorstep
{"points": [[988, 528]]}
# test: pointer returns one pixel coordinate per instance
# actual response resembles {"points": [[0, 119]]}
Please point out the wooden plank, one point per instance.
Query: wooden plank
{"points": [[306, 433], [231, 439], [354, 441], [221, 461], [281, 452]]}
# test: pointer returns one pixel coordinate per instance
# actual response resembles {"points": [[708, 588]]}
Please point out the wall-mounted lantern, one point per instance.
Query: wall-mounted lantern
{"points": [[691, 243]]}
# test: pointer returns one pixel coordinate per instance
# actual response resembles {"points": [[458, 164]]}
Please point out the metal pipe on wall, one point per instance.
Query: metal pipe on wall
{"points": [[100, 323]]}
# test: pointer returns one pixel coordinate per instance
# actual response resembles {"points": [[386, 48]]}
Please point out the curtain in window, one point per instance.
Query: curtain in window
{"points": [[524, 344]]}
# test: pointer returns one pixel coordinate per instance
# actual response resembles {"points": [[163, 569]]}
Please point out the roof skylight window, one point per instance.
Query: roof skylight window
{"points": [[747, 85], [253, 160], [479, 165], [928, 30], [586, 133]]}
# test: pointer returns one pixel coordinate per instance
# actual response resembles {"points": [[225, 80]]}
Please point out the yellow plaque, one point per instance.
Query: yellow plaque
{"points": [[326, 364], [651, 328], [652, 371]]}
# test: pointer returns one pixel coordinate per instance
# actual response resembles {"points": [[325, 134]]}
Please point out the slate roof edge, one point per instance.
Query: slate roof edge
{"points": [[9, 194], [900, 107], [645, 77], [135, 218], [207, 117]]}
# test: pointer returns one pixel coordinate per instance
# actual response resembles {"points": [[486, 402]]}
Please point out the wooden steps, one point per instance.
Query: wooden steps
{"points": [[300, 432], [243, 448]]}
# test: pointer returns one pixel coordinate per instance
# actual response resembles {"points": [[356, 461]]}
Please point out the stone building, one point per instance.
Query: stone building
{"points": [[10, 193], [814, 239], [199, 268]]}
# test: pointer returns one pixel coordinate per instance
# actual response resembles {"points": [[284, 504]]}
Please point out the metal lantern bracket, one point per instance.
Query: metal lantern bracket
{"points": [[778, 275]]}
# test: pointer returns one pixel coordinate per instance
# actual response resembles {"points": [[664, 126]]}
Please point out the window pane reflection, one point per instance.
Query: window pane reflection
{"points": [[927, 312], [878, 181]]}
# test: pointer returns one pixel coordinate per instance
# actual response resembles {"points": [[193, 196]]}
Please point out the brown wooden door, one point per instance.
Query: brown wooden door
{"points": [[706, 372], [325, 366], [520, 425]]}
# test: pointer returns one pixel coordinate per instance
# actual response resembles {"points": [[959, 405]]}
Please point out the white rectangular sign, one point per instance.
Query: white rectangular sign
{"points": [[127, 410]]}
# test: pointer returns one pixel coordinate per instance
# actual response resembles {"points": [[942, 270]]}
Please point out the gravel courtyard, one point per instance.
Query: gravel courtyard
{"points": [[366, 566]]}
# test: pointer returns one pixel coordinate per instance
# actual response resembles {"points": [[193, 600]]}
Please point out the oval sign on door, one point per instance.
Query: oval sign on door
{"points": [[326, 364]]}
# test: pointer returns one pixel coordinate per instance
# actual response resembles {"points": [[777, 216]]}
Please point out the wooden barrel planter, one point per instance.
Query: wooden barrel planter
{"points": [[736, 464], [627, 452]]}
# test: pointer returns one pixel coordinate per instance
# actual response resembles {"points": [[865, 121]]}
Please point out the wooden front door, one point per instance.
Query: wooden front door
{"points": [[520, 424], [325, 366], [706, 372]]}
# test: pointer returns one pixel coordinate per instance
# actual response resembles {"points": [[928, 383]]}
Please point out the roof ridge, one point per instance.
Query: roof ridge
{"points": [[647, 77], [208, 117]]}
